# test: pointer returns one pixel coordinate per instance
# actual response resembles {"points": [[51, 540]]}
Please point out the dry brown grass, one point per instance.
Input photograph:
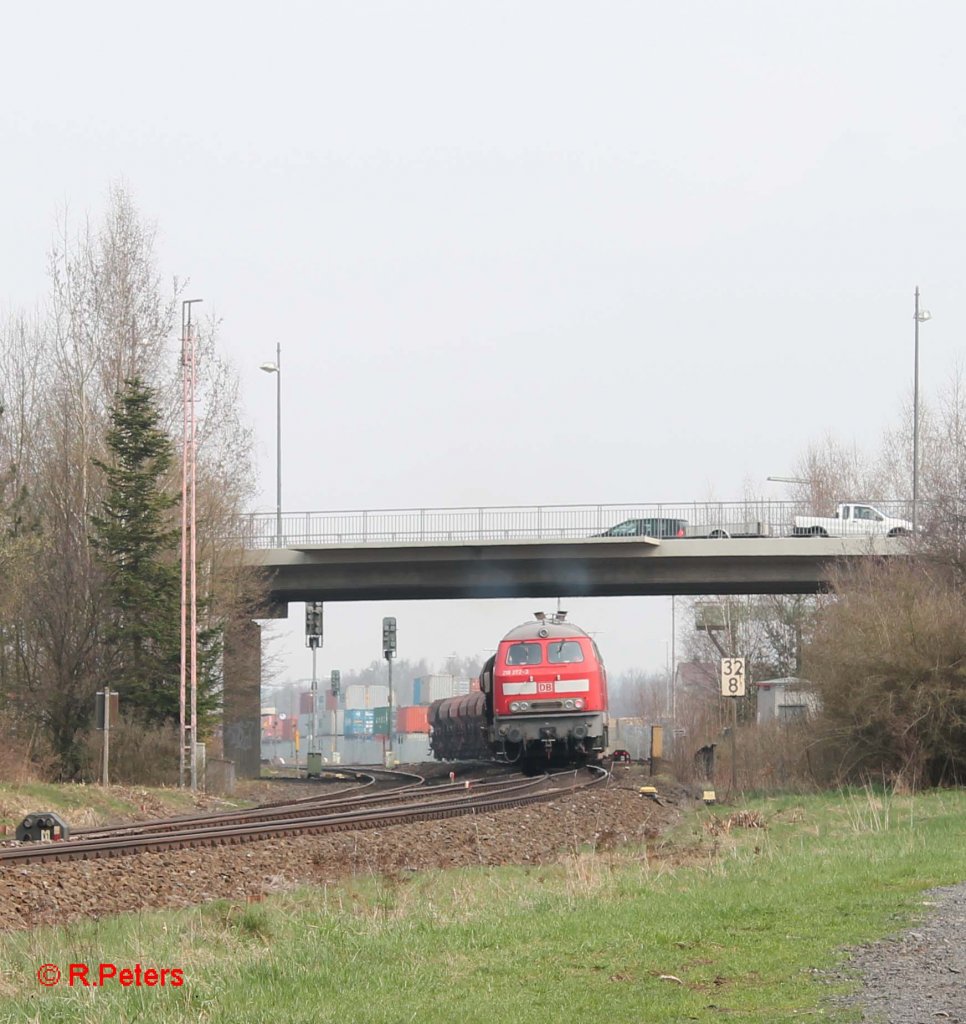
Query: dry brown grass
{"points": [[139, 755], [20, 758]]}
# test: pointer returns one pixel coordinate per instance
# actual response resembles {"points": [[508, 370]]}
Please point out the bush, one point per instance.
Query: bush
{"points": [[888, 661], [140, 755]]}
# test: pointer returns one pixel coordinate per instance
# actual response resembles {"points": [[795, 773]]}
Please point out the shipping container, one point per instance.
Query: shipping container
{"points": [[364, 696], [305, 703], [412, 719], [411, 747], [325, 724], [359, 721], [402, 692], [426, 689], [355, 696], [380, 721]]}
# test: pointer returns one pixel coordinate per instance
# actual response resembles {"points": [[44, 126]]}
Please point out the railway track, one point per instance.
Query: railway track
{"points": [[303, 808], [410, 803], [399, 783]]}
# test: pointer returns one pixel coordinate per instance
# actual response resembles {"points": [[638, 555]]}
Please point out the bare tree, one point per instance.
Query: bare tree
{"points": [[835, 473], [108, 319]]}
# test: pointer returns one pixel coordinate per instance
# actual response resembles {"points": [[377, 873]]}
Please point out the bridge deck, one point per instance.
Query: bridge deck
{"points": [[591, 567]]}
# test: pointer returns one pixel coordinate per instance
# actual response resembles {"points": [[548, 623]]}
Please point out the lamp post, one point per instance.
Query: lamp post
{"points": [[276, 368], [920, 316]]}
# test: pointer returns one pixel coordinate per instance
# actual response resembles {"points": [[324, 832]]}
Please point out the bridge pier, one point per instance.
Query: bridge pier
{"points": [[242, 696]]}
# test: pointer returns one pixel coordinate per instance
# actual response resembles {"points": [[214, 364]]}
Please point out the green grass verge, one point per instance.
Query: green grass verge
{"points": [[84, 805], [722, 921]]}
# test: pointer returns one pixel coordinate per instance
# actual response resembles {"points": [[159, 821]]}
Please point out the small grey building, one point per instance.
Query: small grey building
{"points": [[785, 700]]}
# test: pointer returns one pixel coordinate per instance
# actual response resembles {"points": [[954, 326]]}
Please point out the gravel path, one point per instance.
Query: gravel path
{"points": [[918, 977]]}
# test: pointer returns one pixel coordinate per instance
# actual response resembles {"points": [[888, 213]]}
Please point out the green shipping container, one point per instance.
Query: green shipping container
{"points": [[380, 721]]}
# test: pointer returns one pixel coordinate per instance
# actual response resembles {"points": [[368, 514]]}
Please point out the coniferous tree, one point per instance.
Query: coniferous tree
{"points": [[136, 543]]}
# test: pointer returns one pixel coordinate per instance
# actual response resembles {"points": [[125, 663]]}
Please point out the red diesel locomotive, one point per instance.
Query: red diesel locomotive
{"points": [[542, 701]]}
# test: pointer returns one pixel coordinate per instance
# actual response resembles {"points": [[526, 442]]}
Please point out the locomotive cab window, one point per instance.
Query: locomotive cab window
{"points": [[564, 652], [524, 654]]}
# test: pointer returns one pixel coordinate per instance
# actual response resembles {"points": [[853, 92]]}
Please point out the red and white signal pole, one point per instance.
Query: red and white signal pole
{"points": [[188, 704]]}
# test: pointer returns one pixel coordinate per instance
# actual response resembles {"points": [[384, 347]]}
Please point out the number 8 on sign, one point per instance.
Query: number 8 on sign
{"points": [[733, 677]]}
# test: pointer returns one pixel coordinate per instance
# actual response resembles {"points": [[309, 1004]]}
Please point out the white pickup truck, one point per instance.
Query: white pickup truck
{"points": [[851, 520]]}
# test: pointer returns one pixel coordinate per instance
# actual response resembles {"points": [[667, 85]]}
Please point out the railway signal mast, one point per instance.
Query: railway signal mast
{"points": [[336, 681], [313, 639], [389, 652]]}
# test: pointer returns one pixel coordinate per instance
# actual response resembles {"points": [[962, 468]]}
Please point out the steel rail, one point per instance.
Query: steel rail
{"points": [[318, 799], [291, 811], [470, 802]]}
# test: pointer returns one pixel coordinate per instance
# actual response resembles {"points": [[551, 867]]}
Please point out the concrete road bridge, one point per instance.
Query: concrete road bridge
{"points": [[532, 551], [551, 551]]}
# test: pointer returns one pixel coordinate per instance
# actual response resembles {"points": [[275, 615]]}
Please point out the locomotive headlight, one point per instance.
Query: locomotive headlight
{"points": [[579, 703], [569, 704], [522, 705], [514, 705]]}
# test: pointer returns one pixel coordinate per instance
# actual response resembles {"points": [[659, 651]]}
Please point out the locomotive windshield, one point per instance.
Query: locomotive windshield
{"points": [[564, 652], [524, 654]]}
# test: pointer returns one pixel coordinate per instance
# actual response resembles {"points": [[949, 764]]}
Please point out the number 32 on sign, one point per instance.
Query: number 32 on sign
{"points": [[733, 677]]}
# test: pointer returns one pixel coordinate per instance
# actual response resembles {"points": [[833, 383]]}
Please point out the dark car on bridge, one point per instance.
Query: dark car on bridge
{"points": [[652, 527]]}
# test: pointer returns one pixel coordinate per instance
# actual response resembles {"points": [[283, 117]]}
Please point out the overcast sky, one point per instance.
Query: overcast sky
{"points": [[520, 252]]}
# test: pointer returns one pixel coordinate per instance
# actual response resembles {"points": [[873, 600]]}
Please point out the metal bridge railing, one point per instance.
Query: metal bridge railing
{"points": [[540, 522]]}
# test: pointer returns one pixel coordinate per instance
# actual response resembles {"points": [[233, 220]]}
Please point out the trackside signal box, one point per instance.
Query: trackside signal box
{"points": [[114, 714], [42, 827], [313, 763]]}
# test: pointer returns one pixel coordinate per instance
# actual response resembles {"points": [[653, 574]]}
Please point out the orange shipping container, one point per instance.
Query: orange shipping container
{"points": [[412, 719]]}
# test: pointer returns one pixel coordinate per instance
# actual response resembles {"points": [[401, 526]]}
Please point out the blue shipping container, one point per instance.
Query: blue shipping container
{"points": [[359, 721]]}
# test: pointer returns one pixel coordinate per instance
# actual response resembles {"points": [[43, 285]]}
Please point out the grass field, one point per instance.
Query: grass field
{"points": [[82, 805], [724, 920], [87, 805]]}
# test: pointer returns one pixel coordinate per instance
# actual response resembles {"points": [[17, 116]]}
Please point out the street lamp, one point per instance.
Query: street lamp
{"points": [[920, 316], [276, 368]]}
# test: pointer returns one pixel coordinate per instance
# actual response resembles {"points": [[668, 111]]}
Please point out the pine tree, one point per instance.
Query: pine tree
{"points": [[136, 543]]}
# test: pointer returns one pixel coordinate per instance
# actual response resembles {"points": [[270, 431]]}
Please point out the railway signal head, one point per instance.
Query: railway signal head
{"points": [[313, 622], [389, 637], [336, 682]]}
